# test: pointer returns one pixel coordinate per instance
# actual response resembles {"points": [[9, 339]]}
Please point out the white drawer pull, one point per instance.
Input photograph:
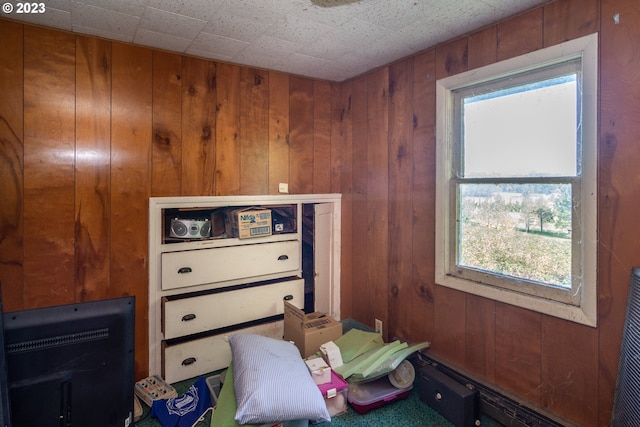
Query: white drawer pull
{"points": [[189, 361], [188, 317], [184, 270], [283, 257]]}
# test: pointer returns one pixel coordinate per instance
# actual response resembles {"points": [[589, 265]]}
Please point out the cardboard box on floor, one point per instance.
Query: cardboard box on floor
{"points": [[309, 331]]}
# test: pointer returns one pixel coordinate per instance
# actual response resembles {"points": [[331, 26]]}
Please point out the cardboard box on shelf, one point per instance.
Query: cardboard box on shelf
{"points": [[248, 222], [309, 331]]}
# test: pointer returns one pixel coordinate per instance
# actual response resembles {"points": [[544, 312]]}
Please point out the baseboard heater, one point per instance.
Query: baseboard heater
{"points": [[494, 404]]}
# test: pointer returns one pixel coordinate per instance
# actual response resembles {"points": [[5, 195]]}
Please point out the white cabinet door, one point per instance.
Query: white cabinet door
{"points": [[220, 265]]}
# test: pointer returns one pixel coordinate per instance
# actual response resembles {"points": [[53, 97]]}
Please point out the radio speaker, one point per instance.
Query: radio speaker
{"points": [[190, 228]]}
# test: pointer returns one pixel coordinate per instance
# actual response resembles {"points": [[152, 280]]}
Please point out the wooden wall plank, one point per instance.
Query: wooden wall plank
{"points": [[449, 333], [198, 127], [480, 339], [483, 47], [227, 130], [520, 35], [301, 135], [49, 118], [342, 142], [321, 137], [569, 19], [400, 198], [618, 190], [11, 163], [568, 349], [131, 147], [278, 130], [359, 228], [254, 131], [166, 170], [518, 351], [92, 176], [452, 58], [423, 197], [377, 204]]}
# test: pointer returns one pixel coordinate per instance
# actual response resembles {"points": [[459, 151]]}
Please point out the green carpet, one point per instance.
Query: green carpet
{"points": [[409, 412]]}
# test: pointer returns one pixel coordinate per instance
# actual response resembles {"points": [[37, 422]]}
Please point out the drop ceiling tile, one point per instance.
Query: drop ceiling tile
{"points": [[360, 31], [392, 15], [171, 23], [204, 9], [257, 9], [105, 21], [161, 41], [274, 46], [304, 65], [332, 48], [213, 44], [103, 34], [127, 7], [55, 18], [298, 30], [237, 27]]}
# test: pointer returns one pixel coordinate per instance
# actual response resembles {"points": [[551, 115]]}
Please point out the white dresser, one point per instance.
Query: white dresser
{"points": [[202, 289]]}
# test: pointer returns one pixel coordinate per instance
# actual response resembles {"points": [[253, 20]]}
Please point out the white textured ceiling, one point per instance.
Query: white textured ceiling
{"points": [[325, 39]]}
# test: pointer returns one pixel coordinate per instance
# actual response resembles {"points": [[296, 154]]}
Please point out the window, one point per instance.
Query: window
{"points": [[516, 181]]}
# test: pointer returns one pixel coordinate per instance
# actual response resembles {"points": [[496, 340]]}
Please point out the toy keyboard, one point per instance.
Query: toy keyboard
{"points": [[154, 388]]}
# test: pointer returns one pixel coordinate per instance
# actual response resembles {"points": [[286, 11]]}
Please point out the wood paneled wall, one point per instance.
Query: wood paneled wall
{"points": [[387, 126], [89, 129]]}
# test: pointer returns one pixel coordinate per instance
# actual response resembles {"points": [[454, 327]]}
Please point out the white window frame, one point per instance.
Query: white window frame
{"points": [[584, 309]]}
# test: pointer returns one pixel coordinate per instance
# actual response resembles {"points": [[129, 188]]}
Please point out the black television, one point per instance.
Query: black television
{"points": [[5, 409], [71, 365]]}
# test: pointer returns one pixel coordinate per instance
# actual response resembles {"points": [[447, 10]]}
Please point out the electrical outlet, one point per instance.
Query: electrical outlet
{"points": [[378, 323]]}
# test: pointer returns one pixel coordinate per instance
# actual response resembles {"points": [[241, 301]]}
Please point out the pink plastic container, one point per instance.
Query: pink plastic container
{"points": [[364, 397], [335, 394]]}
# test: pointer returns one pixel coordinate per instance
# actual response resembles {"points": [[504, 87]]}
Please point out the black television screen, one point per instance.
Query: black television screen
{"points": [[5, 410], [72, 365]]}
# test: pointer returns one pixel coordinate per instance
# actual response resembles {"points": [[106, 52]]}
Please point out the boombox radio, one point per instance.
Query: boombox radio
{"points": [[190, 228]]}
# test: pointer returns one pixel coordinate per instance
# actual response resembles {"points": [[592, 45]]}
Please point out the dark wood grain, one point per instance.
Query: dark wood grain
{"points": [[166, 169], [300, 135], [400, 201], [279, 170], [11, 162], [92, 169], [198, 127], [131, 147], [49, 156], [254, 131]]}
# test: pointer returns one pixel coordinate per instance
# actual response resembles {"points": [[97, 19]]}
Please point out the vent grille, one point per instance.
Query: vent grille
{"points": [[56, 341], [626, 411]]}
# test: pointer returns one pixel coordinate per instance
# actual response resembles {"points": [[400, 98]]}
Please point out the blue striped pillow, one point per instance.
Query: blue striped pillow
{"points": [[272, 382]]}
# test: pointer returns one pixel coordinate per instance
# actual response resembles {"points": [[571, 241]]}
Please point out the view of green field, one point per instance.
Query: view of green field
{"points": [[524, 235]]}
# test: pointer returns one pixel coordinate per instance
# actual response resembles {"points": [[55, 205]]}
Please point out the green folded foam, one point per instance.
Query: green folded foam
{"points": [[366, 360], [388, 364], [355, 342]]}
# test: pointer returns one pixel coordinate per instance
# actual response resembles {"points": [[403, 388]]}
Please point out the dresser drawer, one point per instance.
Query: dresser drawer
{"points": [[187, 316], [220, 265], [201, 356]]}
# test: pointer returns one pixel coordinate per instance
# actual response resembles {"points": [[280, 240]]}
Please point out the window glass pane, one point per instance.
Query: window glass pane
{"points": [[523, 131], [518, 230]]}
